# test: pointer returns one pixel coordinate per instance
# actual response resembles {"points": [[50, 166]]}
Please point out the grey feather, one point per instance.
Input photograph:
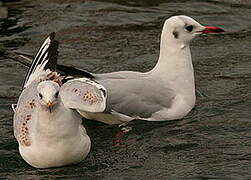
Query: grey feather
{"points": [[139, 97]]}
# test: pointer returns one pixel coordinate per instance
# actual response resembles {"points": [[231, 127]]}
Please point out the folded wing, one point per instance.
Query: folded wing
{"points": [[23, 116]]}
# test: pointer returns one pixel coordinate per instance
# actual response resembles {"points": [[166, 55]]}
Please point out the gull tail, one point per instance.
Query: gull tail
{"points": [[75, 72]]}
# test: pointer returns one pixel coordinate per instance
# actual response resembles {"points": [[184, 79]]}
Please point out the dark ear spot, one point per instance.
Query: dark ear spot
{"points": [[175, 34]]}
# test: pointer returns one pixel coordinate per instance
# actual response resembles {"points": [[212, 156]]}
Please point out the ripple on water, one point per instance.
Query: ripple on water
{"points": [[212, 142]]}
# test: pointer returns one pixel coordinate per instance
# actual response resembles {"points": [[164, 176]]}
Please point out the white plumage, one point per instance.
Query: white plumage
{"points": [[46, 124], [166, 92]]}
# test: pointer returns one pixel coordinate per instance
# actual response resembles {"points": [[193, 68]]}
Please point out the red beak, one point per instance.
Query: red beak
{"points": [[212, 30]]}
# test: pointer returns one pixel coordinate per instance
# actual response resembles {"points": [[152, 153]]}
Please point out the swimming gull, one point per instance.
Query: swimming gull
{"points": [[46, 125], [167, 92]]}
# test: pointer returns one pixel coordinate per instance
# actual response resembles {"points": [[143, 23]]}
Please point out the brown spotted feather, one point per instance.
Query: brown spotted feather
{"points": [[24, 114]]}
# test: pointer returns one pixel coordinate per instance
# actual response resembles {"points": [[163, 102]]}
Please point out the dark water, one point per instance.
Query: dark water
{"points": [[212, 142]]}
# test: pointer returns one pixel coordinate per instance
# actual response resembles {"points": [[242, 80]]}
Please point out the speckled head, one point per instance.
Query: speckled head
{"points": [[48, 93]]}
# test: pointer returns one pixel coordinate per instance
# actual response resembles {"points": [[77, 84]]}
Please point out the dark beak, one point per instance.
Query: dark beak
{"points": [[212, 30]]}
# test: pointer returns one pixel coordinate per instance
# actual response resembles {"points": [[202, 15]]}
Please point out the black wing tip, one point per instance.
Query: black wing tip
{"points": [[72, 71], [52, 55], [43, 53], [52, 36]]}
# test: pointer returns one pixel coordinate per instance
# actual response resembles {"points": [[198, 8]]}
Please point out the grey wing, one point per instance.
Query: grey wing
{"points": [[83, 94], [137, 97], [24, 114], [120, 75]]}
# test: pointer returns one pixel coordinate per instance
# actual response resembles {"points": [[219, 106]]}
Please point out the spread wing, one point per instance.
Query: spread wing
{"points": [[27, 102], [83, 94], [47, 52]]}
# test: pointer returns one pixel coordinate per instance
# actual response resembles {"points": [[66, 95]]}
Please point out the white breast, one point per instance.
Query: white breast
{"points": [[56, 141]]}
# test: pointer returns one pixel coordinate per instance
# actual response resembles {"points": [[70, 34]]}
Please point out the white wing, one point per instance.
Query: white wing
{"points": [[23, 116], [27, 101], [83, 94]]}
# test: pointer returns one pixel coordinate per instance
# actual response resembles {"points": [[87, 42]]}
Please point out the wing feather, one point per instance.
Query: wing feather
{"points": [[137, 97], [27, 102], [23, 116], [83, 94], [46, 55]]}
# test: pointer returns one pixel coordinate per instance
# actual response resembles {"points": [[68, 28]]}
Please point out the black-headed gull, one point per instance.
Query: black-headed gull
{"points": [[46, 125], [166, 92]]}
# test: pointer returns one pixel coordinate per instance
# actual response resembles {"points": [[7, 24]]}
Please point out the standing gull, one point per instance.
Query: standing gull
{"points": [[166, 92], [46, 125]]}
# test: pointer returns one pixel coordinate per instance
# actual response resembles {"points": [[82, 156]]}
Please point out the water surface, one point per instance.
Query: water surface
{"points": [[212, 142]]}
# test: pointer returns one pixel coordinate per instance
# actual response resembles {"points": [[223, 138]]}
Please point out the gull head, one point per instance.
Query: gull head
{"points": [[182, 29], [48, 94]]}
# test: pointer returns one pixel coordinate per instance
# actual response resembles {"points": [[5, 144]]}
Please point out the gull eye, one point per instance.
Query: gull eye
{"points": [[189, 28], [40, 95], [56, 95]]}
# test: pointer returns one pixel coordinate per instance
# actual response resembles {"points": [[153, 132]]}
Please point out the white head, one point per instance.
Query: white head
{"points": [[48, 93], [180, 30]]}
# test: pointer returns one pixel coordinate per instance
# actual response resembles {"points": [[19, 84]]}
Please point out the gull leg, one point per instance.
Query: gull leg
{"points": [[121, 133]]}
